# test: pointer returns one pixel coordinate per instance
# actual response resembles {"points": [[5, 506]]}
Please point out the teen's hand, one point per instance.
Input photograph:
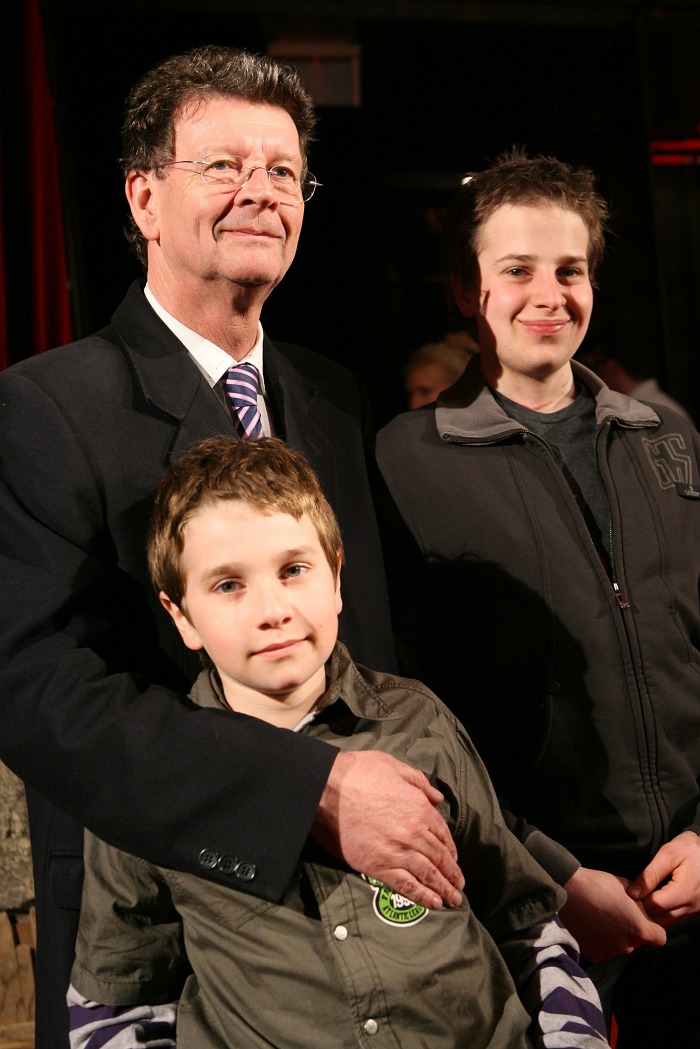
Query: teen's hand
{"points": [[604, 919], [669, 887], [379, 815]]}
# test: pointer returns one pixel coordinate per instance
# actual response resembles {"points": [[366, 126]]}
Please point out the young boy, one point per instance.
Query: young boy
{"points": [[245, 553]]}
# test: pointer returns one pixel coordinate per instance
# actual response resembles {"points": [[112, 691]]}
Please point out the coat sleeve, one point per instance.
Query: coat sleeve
{"points": [[81, 719]]}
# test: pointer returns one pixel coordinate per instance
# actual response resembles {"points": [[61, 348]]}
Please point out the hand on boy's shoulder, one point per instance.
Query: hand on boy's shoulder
{"points": [[379, 815]]}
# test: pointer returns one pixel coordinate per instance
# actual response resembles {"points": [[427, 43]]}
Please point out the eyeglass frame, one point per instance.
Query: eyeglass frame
{"points": [[306, 181]]}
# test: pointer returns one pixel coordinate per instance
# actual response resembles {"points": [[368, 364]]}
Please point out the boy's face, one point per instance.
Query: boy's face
{"points": [[260, 597], [534, 298]]}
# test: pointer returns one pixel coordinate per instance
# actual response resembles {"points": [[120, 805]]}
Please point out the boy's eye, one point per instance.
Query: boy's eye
{"points": [[229, 586], [294, 571], [516, 271]]}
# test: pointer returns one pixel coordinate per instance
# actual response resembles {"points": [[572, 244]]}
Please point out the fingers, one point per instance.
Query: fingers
{"points": [[423, 883], [604, 919], [648, 880], [669, 886], [379, 815]]}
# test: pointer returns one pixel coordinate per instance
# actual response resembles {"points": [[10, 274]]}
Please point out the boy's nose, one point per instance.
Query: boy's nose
{"points": [[274, 606]]}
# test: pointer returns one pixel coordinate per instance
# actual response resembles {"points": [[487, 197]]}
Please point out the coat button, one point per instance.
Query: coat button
{"points": [[246, 871], [208, 859], [370, 1027], [228, 864], [340, 933]]}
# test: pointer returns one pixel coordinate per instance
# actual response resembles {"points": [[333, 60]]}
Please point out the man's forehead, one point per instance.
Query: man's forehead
{"points": [[216, 116]]}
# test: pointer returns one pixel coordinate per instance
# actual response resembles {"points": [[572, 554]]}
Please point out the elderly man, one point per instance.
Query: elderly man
{"points": [[216, 178]]}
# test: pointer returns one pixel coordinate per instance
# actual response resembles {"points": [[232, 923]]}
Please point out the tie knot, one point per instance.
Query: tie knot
{"points": [[242, 385]]}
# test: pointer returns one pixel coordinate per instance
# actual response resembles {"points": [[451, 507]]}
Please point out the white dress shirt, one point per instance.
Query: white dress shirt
{"points": [[212, 361]]}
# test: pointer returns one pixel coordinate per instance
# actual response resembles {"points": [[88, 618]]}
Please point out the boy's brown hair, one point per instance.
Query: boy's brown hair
{"points": [[520, 180], [264, 474]]}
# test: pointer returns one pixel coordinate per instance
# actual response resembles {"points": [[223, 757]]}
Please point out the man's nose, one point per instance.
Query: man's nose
{"points": [[257, 188]]}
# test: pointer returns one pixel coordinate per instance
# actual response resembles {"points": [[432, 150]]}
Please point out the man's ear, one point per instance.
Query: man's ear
{"points": [[187, 632], [140, 194], [467, 299]]}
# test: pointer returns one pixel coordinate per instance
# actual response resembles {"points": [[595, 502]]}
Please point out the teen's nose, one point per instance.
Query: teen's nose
{"points": [[547, 291]]}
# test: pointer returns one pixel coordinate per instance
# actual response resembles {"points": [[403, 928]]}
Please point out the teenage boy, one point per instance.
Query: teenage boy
{"points": [[556, 527], [245, 554]]}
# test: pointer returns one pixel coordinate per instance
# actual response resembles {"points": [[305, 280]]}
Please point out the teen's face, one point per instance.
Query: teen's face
{"points": [[201, 232], [260, 597], [534, 299]]}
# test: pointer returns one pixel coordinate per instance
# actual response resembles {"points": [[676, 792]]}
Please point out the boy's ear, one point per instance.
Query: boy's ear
{"points": [[187, 632], [338, 596], [467, 299]]}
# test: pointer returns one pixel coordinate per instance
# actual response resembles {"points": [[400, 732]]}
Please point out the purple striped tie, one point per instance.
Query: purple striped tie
{"points": [[242, 385]]}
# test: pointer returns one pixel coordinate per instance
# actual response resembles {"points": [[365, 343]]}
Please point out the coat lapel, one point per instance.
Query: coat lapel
{"points": [[167, 381], [303, 417]]}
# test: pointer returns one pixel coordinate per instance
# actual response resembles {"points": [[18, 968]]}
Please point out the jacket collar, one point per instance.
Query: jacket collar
{"points": [[345, 683], [468, 410]]}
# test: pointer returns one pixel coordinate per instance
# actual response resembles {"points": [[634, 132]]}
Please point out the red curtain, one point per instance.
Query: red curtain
{"points": [[51, 314], [37, 312]]}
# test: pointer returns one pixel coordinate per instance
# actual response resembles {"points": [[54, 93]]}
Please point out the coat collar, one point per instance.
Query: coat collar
{"points": [[468, 410], [168, 382], [166, 376]]}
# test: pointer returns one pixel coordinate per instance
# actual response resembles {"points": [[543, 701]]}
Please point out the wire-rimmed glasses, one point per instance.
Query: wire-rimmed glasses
{"points": [[226, 170]]}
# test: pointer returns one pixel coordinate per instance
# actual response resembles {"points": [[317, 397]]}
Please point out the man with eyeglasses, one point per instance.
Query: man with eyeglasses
{"points": [[214, 157]]}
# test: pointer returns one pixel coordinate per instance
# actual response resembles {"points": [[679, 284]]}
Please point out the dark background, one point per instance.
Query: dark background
{"points": [[446, 85]]}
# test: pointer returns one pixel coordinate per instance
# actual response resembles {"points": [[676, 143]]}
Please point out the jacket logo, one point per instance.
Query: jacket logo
{"points": [[667, 458], [392, 907]]}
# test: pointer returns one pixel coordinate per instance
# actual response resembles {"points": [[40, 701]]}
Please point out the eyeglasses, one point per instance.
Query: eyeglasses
{"points": [[225, 170]]}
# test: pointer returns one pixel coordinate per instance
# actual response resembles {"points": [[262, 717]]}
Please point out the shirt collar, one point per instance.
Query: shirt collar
{"points": [[212, 361]]}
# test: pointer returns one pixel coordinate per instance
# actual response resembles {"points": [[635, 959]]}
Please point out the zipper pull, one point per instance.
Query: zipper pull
{"points": [[620, 597]]}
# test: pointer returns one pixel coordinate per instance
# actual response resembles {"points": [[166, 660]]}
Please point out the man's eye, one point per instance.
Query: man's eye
{"points": [[284, 174], [223, 164]]}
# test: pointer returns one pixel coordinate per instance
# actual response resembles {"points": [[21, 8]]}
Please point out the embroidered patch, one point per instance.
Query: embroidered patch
{"points": [[392, 907], [669, 460], [688, 491]]}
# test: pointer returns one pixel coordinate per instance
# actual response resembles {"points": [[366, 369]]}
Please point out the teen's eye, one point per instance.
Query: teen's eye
{"points": [[571, 273], [516, 271], [295, 571]]}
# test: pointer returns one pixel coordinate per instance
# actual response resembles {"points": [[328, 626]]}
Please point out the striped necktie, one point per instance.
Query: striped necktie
{"points": [[242, 384]]}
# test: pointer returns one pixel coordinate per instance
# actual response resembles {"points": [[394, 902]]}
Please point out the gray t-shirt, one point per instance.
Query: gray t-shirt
{"points": [[570, 433]]}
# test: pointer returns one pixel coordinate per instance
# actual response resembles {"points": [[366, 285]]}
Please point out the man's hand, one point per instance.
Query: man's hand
{"points": [[379, 815], [604, 919], [679, 862]]}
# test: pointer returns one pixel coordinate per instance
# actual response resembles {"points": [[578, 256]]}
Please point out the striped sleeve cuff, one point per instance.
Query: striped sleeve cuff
{"points": [[96, 1026]]}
